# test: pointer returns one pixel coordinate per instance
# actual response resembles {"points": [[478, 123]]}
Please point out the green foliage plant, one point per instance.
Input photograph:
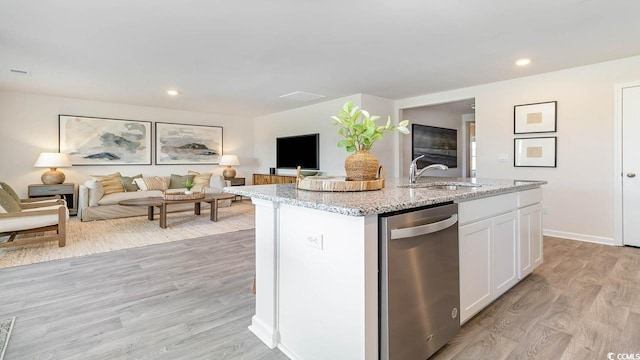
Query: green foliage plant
{"points": [[359, 129], [189, 184]]}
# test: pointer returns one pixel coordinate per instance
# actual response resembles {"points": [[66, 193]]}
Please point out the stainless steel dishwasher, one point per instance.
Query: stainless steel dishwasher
{"points": [[419, 282]]}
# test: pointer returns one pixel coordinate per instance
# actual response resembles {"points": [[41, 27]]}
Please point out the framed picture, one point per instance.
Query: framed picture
{"points": [[102, 141], [438, 145], [188, 144], [535, 118], [535, 152]]}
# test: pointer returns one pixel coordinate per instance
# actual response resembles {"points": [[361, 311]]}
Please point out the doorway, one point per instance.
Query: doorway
{"points": [[456, 115]]}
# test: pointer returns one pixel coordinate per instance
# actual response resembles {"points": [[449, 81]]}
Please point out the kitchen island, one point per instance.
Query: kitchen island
{"points": [[317, 256]]}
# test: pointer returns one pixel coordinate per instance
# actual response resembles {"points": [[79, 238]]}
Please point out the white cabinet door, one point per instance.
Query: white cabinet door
{"points": [[536, 235], [530, 239], [475, 267], [504, 253]]}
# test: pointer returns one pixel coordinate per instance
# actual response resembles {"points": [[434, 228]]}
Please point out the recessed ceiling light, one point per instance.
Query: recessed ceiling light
{"points": [[173, 92], [523, 62]]}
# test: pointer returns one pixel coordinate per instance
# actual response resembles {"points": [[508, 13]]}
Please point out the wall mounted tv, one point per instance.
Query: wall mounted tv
{"points": [[300, 150]]}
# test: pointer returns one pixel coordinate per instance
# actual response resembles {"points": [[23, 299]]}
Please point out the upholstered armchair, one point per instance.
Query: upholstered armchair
{"points": [[29, 203], [32, 217]]}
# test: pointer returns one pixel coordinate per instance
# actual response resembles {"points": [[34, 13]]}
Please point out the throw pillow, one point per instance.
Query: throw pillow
{"points": [[177, 181], [151, 183], [8, 203], [110, 183], [96, 192], [217, 182], [128, 183], [10, 191], [200, 180]]}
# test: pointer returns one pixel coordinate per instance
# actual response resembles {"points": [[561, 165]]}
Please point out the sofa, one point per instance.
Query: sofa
{"points": [[99, 196]]}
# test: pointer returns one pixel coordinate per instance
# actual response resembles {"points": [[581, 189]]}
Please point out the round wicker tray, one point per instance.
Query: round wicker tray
{"points": [[335, 183], [182, 196]]}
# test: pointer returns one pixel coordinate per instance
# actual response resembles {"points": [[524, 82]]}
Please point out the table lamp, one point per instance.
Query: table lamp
{"points": [[229, 160], [52, 161]]}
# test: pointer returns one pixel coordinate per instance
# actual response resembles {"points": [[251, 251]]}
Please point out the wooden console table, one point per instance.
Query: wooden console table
{"points": [[265, 179]]}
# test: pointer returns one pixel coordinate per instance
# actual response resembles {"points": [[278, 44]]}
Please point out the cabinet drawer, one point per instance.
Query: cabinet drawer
{"points": [[474, 210], [50, 190], [529, 197]]}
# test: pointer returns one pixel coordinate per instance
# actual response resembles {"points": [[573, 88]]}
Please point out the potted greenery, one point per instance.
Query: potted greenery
{"points": [[360, 132], [189, 184]]}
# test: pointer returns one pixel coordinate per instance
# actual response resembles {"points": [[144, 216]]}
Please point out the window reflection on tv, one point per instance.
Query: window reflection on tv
{"points": [[438, 145]]}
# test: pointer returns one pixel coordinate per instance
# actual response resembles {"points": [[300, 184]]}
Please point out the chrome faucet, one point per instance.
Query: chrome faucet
{"points": [[414, 173]]}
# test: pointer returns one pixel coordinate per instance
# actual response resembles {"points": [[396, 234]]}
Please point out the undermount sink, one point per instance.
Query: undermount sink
{"points": [[441, 185]]}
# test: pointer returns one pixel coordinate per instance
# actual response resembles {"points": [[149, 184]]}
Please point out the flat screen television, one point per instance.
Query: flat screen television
{"points": [[300, 150]]}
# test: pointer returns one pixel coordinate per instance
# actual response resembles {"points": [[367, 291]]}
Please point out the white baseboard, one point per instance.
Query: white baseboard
{"points": [[580, 237], [288, 352], [264, 333]]}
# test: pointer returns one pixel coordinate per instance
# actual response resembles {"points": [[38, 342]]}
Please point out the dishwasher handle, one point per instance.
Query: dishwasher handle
{"points": [[403, 233]]}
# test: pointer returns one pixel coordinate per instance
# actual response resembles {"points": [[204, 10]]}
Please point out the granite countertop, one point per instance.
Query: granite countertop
{"points": [[396, 195]]}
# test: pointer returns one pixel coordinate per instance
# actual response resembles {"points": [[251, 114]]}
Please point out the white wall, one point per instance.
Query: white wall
{"points": [[579, 197], [30, 126], [316, 118], [437, 118]]}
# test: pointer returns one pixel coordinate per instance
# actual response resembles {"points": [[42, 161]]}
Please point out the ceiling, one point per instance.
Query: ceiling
{"points": [[238, 57]]}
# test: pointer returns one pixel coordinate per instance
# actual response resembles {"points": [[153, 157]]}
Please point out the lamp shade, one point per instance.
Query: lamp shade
{"points": [[53, 160], [229, 160]]}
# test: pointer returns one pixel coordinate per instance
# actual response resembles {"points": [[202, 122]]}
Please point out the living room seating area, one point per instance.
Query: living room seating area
{"points": [[99, 197]]}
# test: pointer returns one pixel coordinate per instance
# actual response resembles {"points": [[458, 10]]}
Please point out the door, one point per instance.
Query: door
{"points": [[504, 253], [475, 267], [631, 165], [530, 238]]}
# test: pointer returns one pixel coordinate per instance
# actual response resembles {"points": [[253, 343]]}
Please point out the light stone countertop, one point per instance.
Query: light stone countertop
{"points": [[396, 195]]}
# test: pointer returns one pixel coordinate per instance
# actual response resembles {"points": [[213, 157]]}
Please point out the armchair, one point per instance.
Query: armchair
{"points": [[29, 203], [24, 218]]}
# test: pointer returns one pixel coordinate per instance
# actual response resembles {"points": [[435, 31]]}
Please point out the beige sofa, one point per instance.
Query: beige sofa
{"points": [[92, 205]]}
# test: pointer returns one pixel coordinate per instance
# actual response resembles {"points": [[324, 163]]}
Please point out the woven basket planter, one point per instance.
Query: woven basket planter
{"points": [[361, 166]]}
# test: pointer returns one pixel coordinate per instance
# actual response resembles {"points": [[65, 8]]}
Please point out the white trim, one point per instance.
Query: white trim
{"points": [[264, 332], [617, 162], [579, 237]]}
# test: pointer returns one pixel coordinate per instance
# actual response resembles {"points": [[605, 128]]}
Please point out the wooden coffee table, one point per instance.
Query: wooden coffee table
{"points": [[162, 204]]}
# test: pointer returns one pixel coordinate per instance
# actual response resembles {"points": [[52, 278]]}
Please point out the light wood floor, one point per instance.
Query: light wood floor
{"points": [[582, 303], [192, 300], [181, 300]]}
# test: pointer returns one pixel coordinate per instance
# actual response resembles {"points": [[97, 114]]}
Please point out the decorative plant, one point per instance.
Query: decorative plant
{"points": [[189, 184], [359, 128]]}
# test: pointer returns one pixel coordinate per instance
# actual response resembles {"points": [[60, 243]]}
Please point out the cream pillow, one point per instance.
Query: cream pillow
{"points": [[110, 183], [151, 183], [200, 180], [96, 192]]}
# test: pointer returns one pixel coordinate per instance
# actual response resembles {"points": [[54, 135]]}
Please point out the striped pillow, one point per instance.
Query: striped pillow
{"points": [[200, 180], [151, 183], [110, 183]]}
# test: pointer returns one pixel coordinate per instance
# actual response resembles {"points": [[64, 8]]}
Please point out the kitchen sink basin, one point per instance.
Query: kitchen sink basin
{"points": [[442, 185]]}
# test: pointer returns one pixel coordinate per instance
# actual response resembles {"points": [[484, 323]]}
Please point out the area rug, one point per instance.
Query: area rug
{"points": [[6, 325], [86, 238]]}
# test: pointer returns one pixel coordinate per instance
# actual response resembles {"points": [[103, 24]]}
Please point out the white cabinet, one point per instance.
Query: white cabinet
{"points": [[504, 253], [475, 267], [488, 261], [530, 239]]}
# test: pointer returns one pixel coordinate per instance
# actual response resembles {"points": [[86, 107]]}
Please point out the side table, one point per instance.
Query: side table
{"points": [[68, 191], [237, 181]]}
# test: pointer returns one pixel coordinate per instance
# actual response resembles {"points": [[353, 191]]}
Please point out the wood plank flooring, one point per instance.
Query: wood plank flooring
{"points": [[188, 299], [582, 303], [192, 299]]}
